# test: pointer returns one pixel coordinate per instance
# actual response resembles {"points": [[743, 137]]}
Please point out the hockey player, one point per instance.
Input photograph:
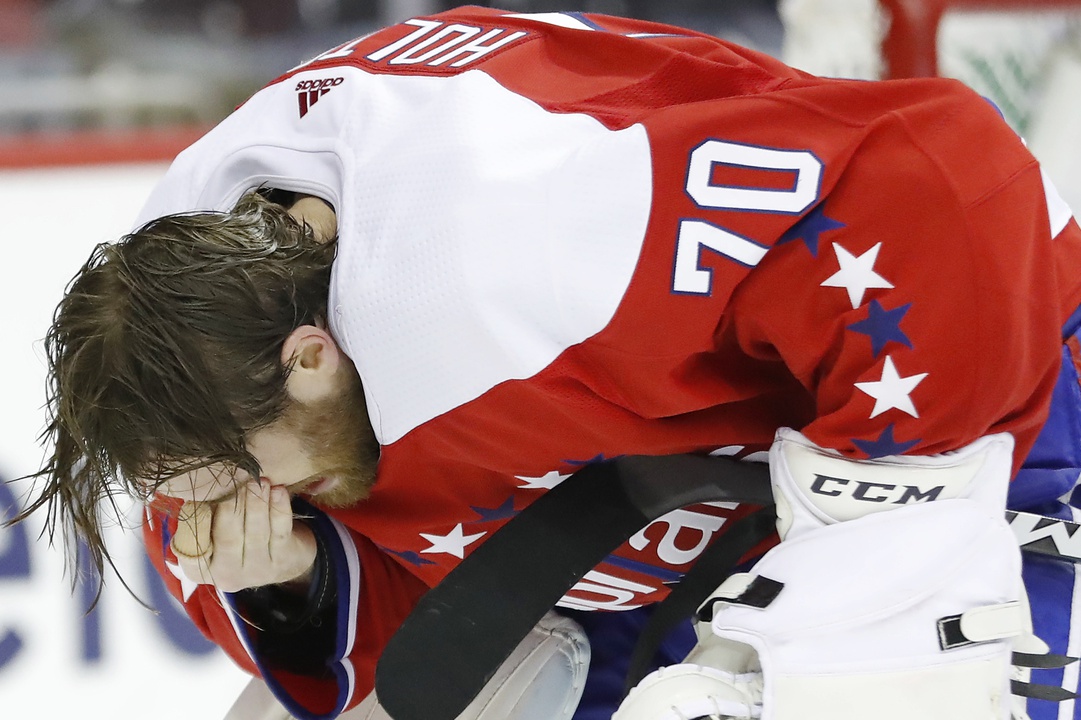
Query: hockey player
{"points": [[422, 278]]}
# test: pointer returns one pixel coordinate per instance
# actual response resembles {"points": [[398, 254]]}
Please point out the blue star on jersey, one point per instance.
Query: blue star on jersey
{"points": [[884, 445], [409, 556], [810, 227], [882, 326], [598, 458], [504, 511]]}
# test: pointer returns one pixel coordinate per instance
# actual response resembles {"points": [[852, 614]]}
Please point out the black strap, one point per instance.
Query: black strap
{"points": [[1047, 661], [709, 571], [760, 593], [1052, 693]]}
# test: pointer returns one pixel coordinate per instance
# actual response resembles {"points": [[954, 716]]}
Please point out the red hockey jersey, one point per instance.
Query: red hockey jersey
{"points": [[565, 238]]}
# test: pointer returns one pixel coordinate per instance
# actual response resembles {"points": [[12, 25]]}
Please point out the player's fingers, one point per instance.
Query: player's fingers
{"points": [[193, 537], [229, 528], [196, 569], [257, 518], [281, 515], [242, 533]]}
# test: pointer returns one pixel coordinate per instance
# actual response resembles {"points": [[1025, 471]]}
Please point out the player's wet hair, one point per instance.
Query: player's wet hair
{"points": [[166, 347]]}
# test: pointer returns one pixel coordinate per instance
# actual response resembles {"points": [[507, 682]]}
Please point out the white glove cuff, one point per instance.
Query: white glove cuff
{"points": [[893, 616], [814, 486]]}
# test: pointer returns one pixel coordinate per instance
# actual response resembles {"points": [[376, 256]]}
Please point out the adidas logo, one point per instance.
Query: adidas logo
{"points": [[309, 91]]}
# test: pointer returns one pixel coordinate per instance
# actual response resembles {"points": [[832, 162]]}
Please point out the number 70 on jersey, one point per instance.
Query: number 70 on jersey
{"points": [[694, 235]]}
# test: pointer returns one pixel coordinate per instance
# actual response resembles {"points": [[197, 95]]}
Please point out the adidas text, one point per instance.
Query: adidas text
{"points": [[309, 91]]}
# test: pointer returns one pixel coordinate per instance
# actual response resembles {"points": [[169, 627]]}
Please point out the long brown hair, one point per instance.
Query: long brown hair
{"points": [[164, 351]]}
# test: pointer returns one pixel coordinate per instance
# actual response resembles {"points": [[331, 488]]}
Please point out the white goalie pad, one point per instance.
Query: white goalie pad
{"points": [[894, 616], [895, 594], [543, 679], [906, 614]]}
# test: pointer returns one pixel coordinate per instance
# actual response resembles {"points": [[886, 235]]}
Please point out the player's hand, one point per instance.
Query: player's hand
{"points": [[249, 541]]}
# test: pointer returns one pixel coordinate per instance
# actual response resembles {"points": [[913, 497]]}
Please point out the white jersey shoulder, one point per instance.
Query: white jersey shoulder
{"points": [[481, 235]]}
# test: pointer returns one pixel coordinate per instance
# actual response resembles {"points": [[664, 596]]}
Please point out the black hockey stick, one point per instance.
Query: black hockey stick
{"points": [[462, 630]]}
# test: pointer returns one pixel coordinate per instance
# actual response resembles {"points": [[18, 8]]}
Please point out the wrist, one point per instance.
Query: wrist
{"points": [[301, 581], [289, 606], [301, 584]]}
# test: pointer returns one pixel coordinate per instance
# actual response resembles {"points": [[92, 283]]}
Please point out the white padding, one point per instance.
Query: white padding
{"points": [[543, 679], [994, 622], [734, 586], [256, 702], [854, 632], [815, 486], [678, 692]]}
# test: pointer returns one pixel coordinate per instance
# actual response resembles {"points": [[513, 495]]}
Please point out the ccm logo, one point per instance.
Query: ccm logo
{"points": [[873, 492], [324, 84]]}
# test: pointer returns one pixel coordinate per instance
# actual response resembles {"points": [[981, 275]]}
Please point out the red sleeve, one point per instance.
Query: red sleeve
{"points": [[921, 301], [374, 596]]}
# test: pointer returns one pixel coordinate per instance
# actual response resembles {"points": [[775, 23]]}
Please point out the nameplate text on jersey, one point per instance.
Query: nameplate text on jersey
{"points": [[432, 44]]}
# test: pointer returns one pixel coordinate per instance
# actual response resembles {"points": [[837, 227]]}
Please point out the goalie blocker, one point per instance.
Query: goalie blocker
{"points": [[870, 607]]}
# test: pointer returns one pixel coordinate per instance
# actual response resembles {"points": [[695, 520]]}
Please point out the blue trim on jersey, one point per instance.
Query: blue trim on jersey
{"points": [[1073, 324], [1053, 465], [328, 534], [663, 574], [337, 560], [580, 17], [994, 104]]}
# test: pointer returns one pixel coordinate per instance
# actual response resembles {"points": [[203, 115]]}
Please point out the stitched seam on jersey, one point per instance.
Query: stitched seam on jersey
{"points": [[946, 181], [1004, 184], [906, 125], [775, 95]]}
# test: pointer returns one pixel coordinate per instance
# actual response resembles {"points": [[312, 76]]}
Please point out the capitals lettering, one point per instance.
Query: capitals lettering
{"points": [[699, 527], [600, 591], [873, 492], [686, 534]]}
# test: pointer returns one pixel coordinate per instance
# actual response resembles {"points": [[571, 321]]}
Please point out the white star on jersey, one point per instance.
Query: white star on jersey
{"points": [[187, 585], [892, 391], [453, 543], [546, 481], [857, 274]]}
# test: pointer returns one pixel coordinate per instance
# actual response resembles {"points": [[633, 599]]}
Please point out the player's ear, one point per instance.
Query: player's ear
{"points": [[313, 357], [317, 214]]}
